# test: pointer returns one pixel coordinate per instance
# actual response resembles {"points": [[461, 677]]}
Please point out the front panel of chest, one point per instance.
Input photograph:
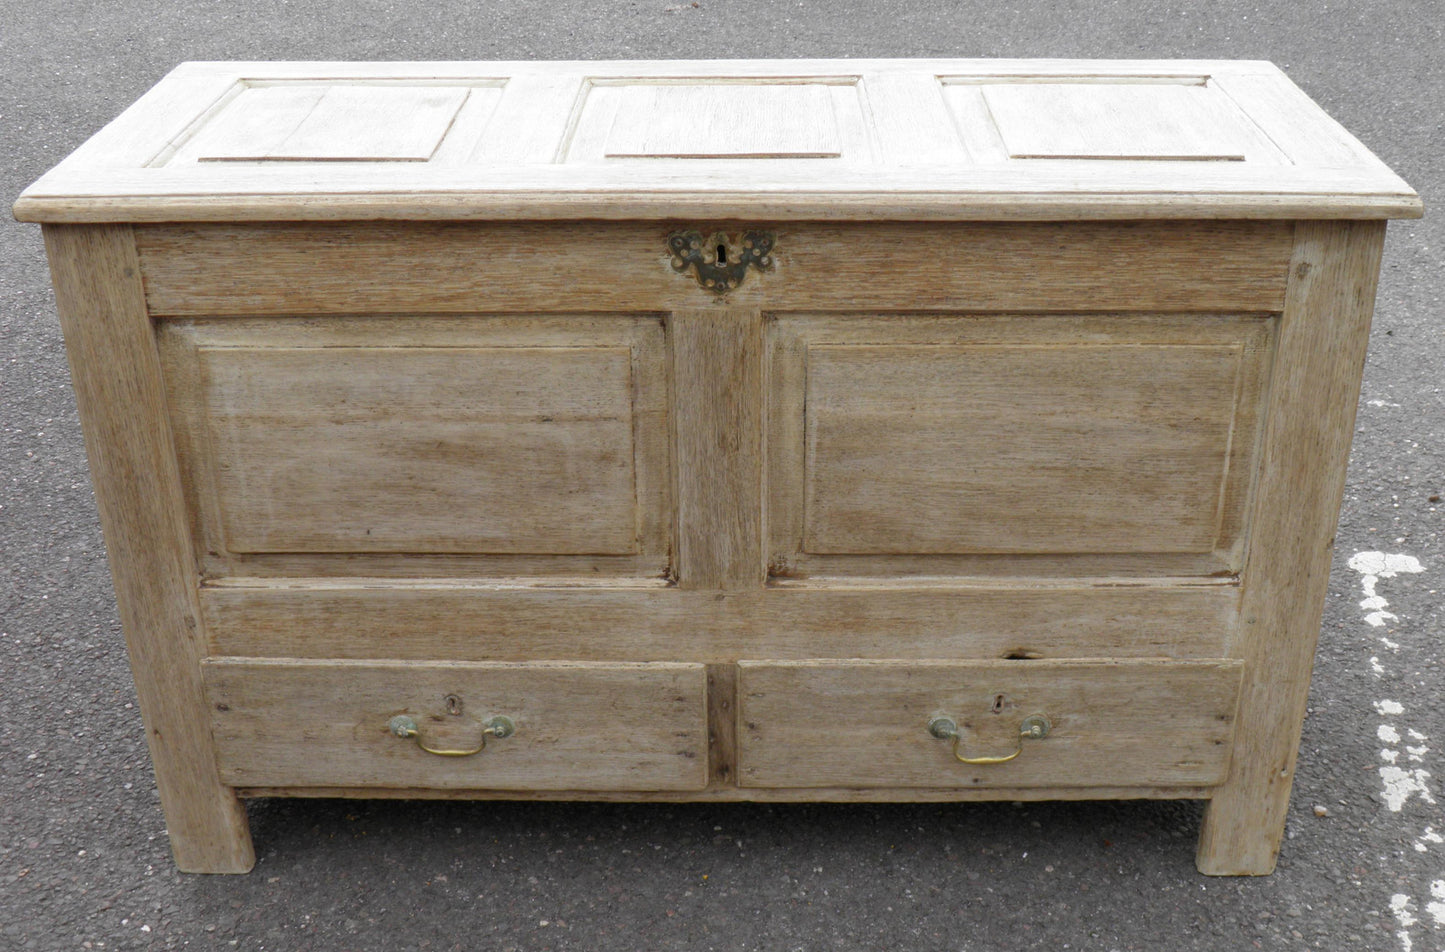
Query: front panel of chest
{"points": [[543, 444]]}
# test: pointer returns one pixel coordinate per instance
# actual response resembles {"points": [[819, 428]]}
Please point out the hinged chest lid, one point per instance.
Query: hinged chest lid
{"points": [[785, 139]]}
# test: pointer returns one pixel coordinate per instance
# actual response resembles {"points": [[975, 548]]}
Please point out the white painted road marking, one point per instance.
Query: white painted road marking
{"points": [[1399, 783]]}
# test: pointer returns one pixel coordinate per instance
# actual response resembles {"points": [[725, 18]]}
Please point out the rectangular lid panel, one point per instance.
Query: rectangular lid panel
{"points": [[1105, 118], [693, 118], [328, 122], [1109, 121], [697, 121], [950, 140]]}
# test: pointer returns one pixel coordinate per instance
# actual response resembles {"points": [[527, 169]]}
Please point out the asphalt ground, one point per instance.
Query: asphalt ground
{"points": [[84, 863]]}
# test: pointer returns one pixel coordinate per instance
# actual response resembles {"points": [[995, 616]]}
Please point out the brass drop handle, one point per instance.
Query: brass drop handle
{"points": [[499, 726], [1034, 727]]}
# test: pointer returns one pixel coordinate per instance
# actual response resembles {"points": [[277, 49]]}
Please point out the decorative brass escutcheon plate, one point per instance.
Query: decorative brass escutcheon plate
{"points": [[718, 265]]}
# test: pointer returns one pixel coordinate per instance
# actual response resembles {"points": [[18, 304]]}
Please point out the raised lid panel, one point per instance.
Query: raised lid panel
{"points": [[1126, 121], [578, 726], [1089, 122], [320, 121], [865, 724], [724, 121]]}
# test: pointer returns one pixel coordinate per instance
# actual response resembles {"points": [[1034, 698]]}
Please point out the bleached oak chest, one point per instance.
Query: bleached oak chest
{"points": [[875, 430]]}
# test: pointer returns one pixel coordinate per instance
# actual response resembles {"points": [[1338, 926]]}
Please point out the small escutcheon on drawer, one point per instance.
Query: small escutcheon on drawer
{"points": [[479, 726], [1146, 723]]}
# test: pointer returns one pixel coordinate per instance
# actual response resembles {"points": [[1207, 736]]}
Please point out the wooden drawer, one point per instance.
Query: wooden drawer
{"points": [[1146, 723], [577, 726]]}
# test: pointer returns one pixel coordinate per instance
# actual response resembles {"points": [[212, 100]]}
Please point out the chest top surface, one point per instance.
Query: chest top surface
{"points": [[783, 139]]}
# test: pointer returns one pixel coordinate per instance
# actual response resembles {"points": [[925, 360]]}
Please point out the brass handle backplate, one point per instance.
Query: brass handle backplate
{"points": [[1034, 727], [404, 726], [715, 262]]}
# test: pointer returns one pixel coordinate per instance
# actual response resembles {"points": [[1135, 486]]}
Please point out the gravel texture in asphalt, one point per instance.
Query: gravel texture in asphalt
{"points": [[84, 862]]}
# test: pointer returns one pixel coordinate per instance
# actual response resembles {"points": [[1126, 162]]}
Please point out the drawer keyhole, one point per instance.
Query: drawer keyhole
{"points": [[998, 704], [722, 254]]}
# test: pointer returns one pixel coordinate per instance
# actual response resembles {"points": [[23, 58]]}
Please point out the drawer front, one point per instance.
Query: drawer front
{"points": [[576, 726], [866, 724]]}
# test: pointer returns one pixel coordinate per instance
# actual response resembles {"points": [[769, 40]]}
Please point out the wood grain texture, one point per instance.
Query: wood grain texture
{"points": [[718, 451], [118, 389], [861, 724], [1017, 448], [652, 622], [578, 726], [907, 444], [1146, 121], [1296, 125], [411, 449], [300, 123], [535, 442], [1310, 422], [717, 120], [722, 726], [590, 267], [870, 180]]}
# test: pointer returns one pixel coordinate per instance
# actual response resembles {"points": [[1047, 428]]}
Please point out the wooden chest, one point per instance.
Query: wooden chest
{"points": [[830, 430]]}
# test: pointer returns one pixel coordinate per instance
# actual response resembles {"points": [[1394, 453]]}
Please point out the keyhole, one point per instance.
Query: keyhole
{"points": [[998, 704], [722, 254], [453, 704]]}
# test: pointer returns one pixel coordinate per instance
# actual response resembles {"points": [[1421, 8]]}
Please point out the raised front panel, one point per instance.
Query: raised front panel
{"points": [[568, 726], [498, 437], [378, 449], [928, 436], [866, 724]]}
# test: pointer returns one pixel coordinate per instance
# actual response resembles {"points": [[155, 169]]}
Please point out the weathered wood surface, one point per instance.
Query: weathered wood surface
{"points": [[914, 443], [578, 726], [121, 398], [596, 266], [534, 442], [718, 447], [649, 621], [801, 139], [1309, 424], [863, 724]]}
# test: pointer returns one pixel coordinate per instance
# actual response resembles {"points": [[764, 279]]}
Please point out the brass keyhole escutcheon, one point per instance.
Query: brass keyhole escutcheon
{"points": [[714, 262]]}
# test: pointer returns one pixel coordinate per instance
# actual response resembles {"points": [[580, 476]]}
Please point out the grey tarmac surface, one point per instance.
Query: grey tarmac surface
{"points": [[84, 863]]}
